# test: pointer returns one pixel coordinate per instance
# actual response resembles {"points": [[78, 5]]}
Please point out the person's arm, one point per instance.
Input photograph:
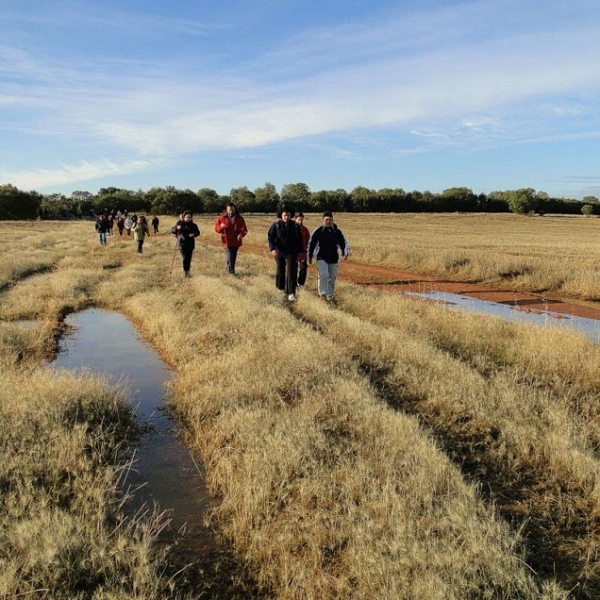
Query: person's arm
{"points": [[312, 243], [242, 230], [343, 244], [272, 239]]}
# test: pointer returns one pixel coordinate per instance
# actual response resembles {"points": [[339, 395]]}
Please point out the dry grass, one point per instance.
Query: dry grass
{"points": [[548, 254], [381, 448]]}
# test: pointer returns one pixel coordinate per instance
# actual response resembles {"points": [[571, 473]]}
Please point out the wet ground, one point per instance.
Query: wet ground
{"points": [[488, 299], [163, 473]]}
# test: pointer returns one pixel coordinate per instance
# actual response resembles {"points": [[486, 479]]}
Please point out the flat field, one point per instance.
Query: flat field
{"points": [[379, 447]]}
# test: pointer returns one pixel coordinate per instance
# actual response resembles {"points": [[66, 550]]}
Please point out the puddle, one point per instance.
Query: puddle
{"points": [[105, 342], [587, 327]]}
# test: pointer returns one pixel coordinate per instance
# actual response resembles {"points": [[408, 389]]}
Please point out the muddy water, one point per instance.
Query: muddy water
{"points": [[164, 474], [585, 326]]}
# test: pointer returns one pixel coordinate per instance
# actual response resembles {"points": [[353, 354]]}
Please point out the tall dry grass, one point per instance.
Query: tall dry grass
{"points": [[361, 450], [545, 254]]}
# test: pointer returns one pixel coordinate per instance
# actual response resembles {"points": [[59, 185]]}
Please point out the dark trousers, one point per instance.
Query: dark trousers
{"points": [[231, 256], [302, 269], [140, 244], [186, 254], [285, 276]]}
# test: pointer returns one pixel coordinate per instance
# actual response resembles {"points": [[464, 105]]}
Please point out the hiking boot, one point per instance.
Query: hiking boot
{"points": [[292, 297]]}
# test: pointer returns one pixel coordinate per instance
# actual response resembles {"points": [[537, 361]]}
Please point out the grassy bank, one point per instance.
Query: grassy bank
{"points": [[379, 448]]}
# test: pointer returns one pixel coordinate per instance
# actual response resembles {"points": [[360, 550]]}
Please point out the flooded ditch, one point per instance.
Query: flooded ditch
{"points": [[516, 313], [164, 476], [163, 473]]}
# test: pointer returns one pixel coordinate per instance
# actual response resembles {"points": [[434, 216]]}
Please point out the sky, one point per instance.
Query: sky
{"points": [[419, 94]]}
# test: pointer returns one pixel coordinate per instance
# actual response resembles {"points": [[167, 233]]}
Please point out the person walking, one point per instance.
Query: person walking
{"points": [[102, 228], [155, 223], [120, 224], [128, 225], [233, 230], [140, 231], [186, 231], [302, 257], [285, 244], [327, 241]]}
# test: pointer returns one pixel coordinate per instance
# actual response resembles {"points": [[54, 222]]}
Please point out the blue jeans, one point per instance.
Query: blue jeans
{"points": [[231, 256], [102, 236], [327, 276]]}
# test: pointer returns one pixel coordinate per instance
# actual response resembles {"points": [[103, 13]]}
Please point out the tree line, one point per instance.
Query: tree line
{"points": [[19, 204]]}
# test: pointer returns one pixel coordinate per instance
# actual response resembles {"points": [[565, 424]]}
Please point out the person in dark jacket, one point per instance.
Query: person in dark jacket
{"points": [[327, 241], [155, 223], [285, 244], [102, 228], [186, 231], [232, 228], [302, 257]]}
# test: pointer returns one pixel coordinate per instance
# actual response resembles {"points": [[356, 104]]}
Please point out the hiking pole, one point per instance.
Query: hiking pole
{"points": [[174, 252]]}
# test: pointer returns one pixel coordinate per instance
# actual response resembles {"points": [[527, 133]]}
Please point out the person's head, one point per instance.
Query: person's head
{"points": [[299, 218], [328, 218], [286, 214], [230, 209], [187, 215]]}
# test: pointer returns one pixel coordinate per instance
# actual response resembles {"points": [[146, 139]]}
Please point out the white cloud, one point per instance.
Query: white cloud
{"points": [[444, 75], [81, 171]]}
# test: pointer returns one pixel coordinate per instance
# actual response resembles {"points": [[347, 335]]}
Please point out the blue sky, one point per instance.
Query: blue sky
{"points": [[421, 95]]}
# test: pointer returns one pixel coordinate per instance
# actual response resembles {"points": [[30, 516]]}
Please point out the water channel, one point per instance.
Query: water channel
{"points": [[163, 474], [588, 327]]}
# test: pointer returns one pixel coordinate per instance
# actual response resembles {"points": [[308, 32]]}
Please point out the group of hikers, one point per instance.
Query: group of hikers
{"points": [[290, 242], [130, 224]]}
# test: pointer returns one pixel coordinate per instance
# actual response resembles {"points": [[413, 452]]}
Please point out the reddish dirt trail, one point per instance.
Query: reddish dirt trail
{"points": [[401, 281], [395, 280]]}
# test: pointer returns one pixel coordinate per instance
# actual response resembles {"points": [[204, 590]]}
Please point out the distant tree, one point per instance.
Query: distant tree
{"points": [[113, 198], [390, 200], [17, 204], [244, 199], [590, 206], [522, 201], [587, 209], [497, 202], [267, 198], [82, 202], [296, 195], [173, 201], [362, 199], [211, 202], [334, 200], [54, 206], [460, 199]]}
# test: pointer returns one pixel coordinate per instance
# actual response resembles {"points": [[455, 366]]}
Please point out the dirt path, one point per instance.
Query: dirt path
{"points": [[399, 281]]}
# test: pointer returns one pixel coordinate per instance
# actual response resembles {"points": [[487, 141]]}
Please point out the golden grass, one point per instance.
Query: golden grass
{"points": [[379, 448], [546, 254], [62, 534]]}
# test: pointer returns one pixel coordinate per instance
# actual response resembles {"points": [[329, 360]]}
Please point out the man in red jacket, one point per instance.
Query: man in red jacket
{"points": [[232, 227]]}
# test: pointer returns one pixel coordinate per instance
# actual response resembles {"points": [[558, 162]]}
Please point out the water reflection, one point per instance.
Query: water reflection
{"points": [[164, 472], [587, 327]]}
